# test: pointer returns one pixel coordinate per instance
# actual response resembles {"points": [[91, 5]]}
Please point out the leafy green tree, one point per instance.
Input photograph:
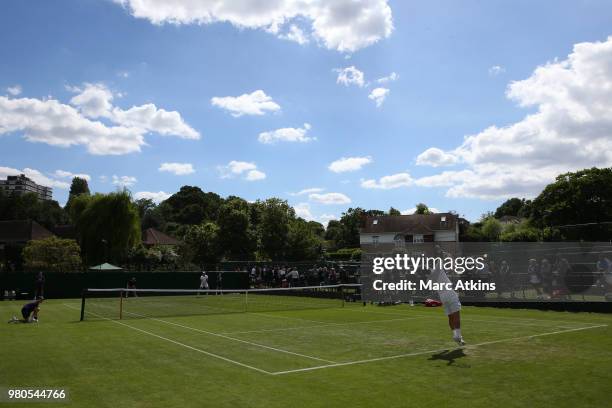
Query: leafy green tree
{"points": [[351, 222], [150, 216], [303, 243], [422, 209], [473, 233], [394, 211], [144, 205], [317, 228], [236, 235], [521, 235], [53, 254], [333, 234], [202, 243], [510, 207], [276, 214], [28, 206], [108, 227], [491, 229], [526, 210], [522, 232], [575, 198], [79, 186], [153, 219], [77, 206], [190, 205]]}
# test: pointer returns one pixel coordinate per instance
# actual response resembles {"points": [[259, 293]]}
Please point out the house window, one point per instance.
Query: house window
{"points": [[417, 239], [443, 223], [375, 239], [375, 222]]}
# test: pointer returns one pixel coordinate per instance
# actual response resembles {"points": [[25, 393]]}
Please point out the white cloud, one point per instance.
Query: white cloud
{"points": [[569, 130], [94, 100], [445, 179], [307, 191], [150, 118], [14, 90], [295, 34], [254, 175], [350, 76], [495, 70], [329, 198], [255, 103], [235, 168], [35, 175], [436, 157], [179, 169], [124, 181], [52, 122], [326, 218], [343, 25], [345, 164], [247, 170], [379, 95], [157, 197], [286, 135], [392, 77], [67, 174], [412, 210], [303, 210], [389, 182]]}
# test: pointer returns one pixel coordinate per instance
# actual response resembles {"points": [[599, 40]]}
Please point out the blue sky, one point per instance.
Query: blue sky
{"points": [[70, 71]]}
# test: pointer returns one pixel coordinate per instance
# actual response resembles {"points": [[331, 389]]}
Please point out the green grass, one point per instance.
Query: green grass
{"points": [[201, 361]]}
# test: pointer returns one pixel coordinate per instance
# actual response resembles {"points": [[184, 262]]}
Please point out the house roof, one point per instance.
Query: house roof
{"points": [[22, 231], [151, 236], [415, 223]]}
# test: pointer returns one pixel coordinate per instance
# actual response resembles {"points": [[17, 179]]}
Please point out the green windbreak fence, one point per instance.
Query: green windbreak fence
{"points": [[70, 285]]}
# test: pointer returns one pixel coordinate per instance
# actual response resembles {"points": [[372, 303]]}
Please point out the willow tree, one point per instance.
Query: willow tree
{"points": [[108, 227]]}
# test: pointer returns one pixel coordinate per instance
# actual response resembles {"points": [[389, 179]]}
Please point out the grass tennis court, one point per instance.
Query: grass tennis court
{"points": [[350, 356]]}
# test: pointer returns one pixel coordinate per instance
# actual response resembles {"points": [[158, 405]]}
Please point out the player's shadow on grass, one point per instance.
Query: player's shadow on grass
{"points": [[450, 356]]}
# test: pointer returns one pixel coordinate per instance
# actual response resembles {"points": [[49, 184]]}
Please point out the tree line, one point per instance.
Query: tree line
{"points": [[108, 227], [577, 206]]}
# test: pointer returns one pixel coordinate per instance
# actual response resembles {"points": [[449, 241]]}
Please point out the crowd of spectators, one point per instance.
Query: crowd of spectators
{"points": [[548, 276], [284, 276]]}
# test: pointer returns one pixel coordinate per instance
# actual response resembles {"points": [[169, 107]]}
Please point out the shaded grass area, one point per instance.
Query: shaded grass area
{"points": [[106, 364]]}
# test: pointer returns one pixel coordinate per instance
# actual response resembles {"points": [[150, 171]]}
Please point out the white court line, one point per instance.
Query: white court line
{"points": [[178, 343], [323, 325], [231, 338], [371, 360]]}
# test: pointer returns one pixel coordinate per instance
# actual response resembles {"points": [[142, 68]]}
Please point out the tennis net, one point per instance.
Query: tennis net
{"points": [[118, 303]]}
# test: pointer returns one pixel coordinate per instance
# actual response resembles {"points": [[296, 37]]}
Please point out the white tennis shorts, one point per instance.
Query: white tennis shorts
{"points": [[451, 302]]}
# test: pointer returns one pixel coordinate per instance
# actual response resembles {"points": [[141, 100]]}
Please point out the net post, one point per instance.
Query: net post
{"points": [[121, 304], [83, 293], [246, 300], [342, 294]]}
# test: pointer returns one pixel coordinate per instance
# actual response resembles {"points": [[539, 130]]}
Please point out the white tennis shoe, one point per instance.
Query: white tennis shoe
{"points": [[459, 340]]}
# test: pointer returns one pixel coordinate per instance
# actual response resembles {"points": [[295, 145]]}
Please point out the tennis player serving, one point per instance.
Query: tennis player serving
{"points": [[450, 301]]}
